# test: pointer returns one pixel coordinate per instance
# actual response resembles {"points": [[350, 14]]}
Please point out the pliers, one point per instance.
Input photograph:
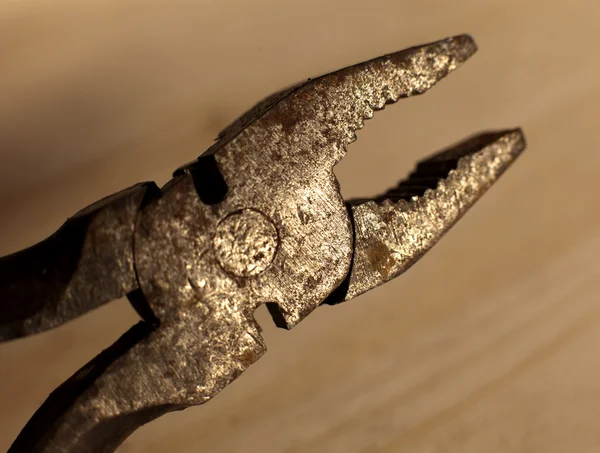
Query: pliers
{"points": [[257, 219]]}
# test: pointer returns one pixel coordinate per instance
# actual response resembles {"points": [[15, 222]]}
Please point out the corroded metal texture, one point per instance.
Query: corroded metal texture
{"points": [[259, 219], [245, 243], [278, 159], [396, 229], [86, 263]]}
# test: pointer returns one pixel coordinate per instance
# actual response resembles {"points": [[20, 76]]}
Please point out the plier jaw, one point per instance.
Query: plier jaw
{"points": [[257, 219]]}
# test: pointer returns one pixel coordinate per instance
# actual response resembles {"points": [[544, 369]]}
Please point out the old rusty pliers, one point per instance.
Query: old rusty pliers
{"points": [[257, 219]]}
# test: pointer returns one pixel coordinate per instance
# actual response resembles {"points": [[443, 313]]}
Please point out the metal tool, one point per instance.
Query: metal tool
{"points": [[257, 219]]}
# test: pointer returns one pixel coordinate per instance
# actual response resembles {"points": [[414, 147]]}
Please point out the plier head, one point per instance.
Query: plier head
{"points": [[258, 218], [283, 235]]}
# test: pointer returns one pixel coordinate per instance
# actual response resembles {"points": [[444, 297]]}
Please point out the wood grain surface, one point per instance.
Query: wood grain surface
{"points": [[489, 344]]}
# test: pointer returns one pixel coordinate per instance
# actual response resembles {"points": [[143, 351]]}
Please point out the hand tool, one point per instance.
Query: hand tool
{"points": [[257, 219]]}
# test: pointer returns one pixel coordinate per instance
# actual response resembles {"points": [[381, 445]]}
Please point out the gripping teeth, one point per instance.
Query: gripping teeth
{"points": [[412, 187], [317, 120], [431, 172], [394, 230]]}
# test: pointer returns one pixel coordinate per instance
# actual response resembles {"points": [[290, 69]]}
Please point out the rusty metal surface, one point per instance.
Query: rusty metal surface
{"points": [[395, 230], [259, 219], [86, 263]]}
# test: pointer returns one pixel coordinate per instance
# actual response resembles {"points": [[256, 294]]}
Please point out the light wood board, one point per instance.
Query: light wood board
{"points": [[489, 344]]}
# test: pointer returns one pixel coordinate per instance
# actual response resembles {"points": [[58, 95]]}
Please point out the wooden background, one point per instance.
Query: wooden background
{"points": [[489, 344]]}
